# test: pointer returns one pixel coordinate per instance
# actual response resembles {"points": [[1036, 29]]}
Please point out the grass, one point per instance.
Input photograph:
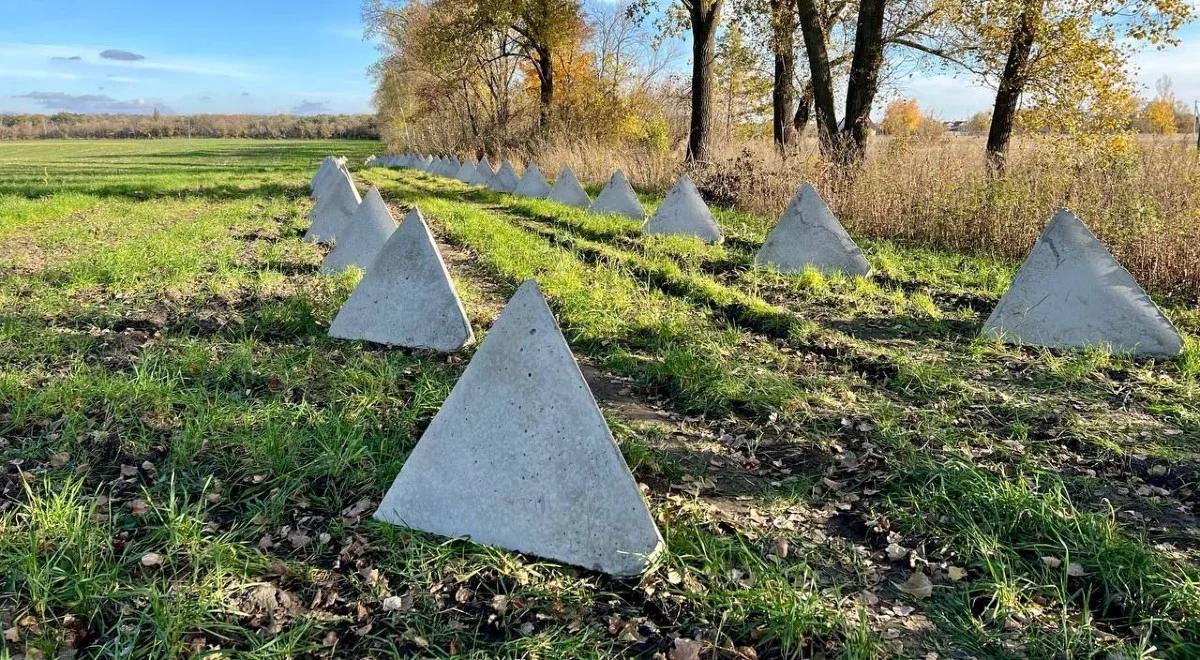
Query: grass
{"points": [[191, 463]]}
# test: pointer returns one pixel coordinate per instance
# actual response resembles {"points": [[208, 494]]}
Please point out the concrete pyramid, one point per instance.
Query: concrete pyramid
{"points": [[567, 190], [452, 165], [466, 171], [406, 297], [327, 165], [618, 197], [327, 173], [684, 213], [363, 237], [505, 179], [520, 457], [533, 184], [808, 234], [483, 173], [1071, 293], [335, 206]]}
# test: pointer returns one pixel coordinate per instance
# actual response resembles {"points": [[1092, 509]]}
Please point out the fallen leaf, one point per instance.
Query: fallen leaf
{"points": [[674, 577], [60, 459], [780, 549], [917, 585], [397, 603], [13, 634], [955, 573], [1052, 562], [1076, 570], [152, 560], [896, 552], [138, 508], [128, 470], [685, 649]]}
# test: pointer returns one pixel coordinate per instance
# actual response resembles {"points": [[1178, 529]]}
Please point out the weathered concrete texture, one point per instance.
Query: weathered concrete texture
{"points": [[618, 197], [808, 234], [326, 173], [505, 179], [333, 209], [483, 173], [567, 190], [684, 213], [407, 297], [466, 172], [1071, 293], [363, 237], [532, 184], [520, 457]]}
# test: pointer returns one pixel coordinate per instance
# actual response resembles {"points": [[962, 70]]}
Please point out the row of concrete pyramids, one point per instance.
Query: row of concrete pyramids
{"points": [[1087, 299], [502, 460], [519, 450]]}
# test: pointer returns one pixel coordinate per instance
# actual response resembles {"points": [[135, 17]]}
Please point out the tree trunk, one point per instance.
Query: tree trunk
{"points": [[545, 71], [1012, 84], [704, 15], [803, 109], [783, 27], [821, 79], [864, 80]]}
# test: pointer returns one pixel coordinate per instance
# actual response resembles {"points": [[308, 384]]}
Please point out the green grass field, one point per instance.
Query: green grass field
{"points": [[839, 467]]}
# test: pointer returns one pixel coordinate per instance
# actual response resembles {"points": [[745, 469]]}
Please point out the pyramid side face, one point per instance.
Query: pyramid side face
{"points": [[567, 190], [618, 198], [684, 213], [333, 210], [520, 457], [406, 297], [465, 172], [1071, 293], [808, 235], [363, 237], [505, 180], [533, 184]]}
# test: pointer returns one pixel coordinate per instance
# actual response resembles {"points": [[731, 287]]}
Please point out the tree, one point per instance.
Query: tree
{"points": [[846, 145], [979, 123], [703, 16], [542, 26], [902, 118], [877, 25], [1160, 112], [1065, 62], [743, 87]]}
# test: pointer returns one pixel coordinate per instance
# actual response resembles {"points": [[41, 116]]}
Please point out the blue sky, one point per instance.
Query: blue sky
{"points": [[298, 56], [260, 56]]}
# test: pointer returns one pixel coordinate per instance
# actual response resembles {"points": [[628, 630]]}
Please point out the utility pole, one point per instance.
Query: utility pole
{"points": [[1196, 119]]}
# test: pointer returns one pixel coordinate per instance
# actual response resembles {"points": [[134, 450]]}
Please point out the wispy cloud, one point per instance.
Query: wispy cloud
{"points": [[37, 74], [198, 66], [92, 103], [122, 55], [311, 108]]}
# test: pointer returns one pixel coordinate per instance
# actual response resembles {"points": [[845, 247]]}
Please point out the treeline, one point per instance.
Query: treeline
{"points": [[70, 125], [496, 75]]}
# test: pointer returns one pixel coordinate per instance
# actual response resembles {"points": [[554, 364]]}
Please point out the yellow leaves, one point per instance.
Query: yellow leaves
{"points": [[902, 117], [1160, 114]]}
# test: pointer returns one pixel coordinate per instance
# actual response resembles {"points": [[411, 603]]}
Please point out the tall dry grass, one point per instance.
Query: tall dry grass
{"points": [[1141, 196]]}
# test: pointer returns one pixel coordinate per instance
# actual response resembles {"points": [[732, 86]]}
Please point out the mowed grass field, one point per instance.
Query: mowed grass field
{"points": [[839, 467]]}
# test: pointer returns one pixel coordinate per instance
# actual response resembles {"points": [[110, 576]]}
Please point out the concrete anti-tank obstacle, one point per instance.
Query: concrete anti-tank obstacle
{"points": [[520, 457], [452, 165], [567, 190], [333, 209], [483, 173], [532, 184], [327, 173], [406, 297], [363, 237], [684, 213], [807, 235], [618, 197], [466, 172], [327, 164], [1071, 293], [505, 180]]}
